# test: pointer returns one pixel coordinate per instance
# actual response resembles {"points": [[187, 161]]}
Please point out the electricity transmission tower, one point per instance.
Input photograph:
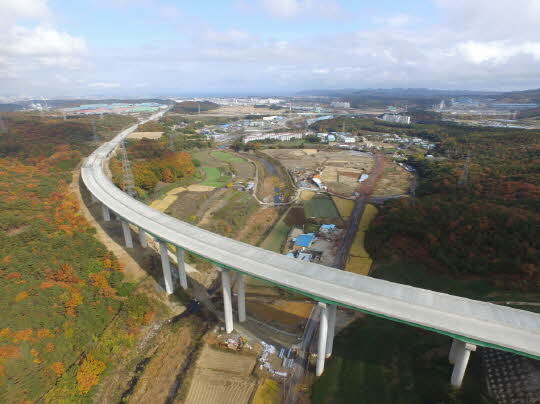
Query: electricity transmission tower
{"points": [[3, 126], [129, 182], [464, 178], [94, 132], [171, 146]]}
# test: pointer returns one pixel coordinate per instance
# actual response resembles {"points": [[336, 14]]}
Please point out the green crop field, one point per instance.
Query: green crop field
{"points": [[213, 177], [275, 240], [320, 207], [227, 157]]}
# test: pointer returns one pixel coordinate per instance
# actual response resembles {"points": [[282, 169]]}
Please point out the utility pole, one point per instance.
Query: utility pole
{"points": [[129, 182]]}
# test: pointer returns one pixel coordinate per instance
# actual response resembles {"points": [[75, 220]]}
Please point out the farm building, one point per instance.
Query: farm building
{"points": [[303, 241]]}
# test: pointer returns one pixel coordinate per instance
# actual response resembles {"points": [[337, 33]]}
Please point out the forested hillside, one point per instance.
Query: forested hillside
{"points": [[193, 106], [152, 162], [60, 287], [483, 225]]}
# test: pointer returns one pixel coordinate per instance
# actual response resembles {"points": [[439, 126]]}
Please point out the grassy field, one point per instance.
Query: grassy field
{"points": [[277, 237], [227, 157], [213, 177], [269, 392], [344, 206], [379, 361], [320, 207], [232, 217]]}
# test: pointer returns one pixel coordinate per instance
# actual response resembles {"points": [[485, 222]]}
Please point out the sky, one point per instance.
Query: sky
{"points": [[55, 48]]}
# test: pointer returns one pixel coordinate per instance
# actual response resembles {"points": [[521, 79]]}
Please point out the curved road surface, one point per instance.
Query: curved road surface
{"points": [[472, 321]]}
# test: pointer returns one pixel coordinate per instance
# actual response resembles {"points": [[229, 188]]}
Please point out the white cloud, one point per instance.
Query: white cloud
{"points": [[30, 45], [497, 51], [397, 20], [23, 9], [287, 9], [43, 41], [104, 85]]}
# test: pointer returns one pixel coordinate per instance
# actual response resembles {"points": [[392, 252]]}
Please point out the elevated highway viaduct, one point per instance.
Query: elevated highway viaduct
{"points": [[467, 322]]}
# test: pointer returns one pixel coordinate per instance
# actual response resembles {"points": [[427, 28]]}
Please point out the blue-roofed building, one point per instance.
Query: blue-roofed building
{"points": [[303, 241]]}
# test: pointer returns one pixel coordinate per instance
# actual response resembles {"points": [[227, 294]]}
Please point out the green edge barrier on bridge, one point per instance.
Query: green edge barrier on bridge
{"points": [[323, 300]]}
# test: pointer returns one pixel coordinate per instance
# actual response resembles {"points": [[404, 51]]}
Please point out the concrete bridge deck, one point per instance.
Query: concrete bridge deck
{"points": [[471, 321]]}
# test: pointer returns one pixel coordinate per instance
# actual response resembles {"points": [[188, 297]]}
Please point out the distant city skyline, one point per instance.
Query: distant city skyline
{"points": [[56, 48]]}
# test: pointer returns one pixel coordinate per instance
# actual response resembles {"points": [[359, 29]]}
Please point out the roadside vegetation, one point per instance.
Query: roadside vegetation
{"points": [[484, 225], [60, 286]]}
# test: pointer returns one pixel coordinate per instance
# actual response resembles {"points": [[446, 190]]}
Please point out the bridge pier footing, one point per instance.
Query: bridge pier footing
{"points": [[106, 213], [142, 238], [241, 290], [227, 303], [127, 234], [323, 333], [332, 310], [462, 352], [166, 265], [181, 268]]}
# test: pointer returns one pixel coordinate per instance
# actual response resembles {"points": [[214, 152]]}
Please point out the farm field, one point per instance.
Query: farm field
{"points": [[277, 237], [145, 135], [312, 158], [222, 378], [395, 180], [359, 260], [243, 168], [320, 207], [227, 157], [344, 206]]}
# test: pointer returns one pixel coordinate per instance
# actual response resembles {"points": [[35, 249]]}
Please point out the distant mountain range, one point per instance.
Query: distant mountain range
{"points": [[521, 97], [397, 93]]}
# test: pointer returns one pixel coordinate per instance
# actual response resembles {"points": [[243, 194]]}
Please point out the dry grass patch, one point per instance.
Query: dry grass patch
{"points": [[222, 378], [344, 206], [269, 392], [359, 260]]}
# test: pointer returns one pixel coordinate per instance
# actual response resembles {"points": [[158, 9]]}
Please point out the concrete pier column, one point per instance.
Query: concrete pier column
{"points": [[127, 234], [165, 263], [142, 238], [106, 213], [181, 267], [452, 353], [462, 354], [332, 310], [227, 303], [321, 346], [241, 290], [93, 198]]}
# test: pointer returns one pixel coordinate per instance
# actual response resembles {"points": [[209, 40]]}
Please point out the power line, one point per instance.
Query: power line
{"points": [[464, 178], [129, 182]]}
